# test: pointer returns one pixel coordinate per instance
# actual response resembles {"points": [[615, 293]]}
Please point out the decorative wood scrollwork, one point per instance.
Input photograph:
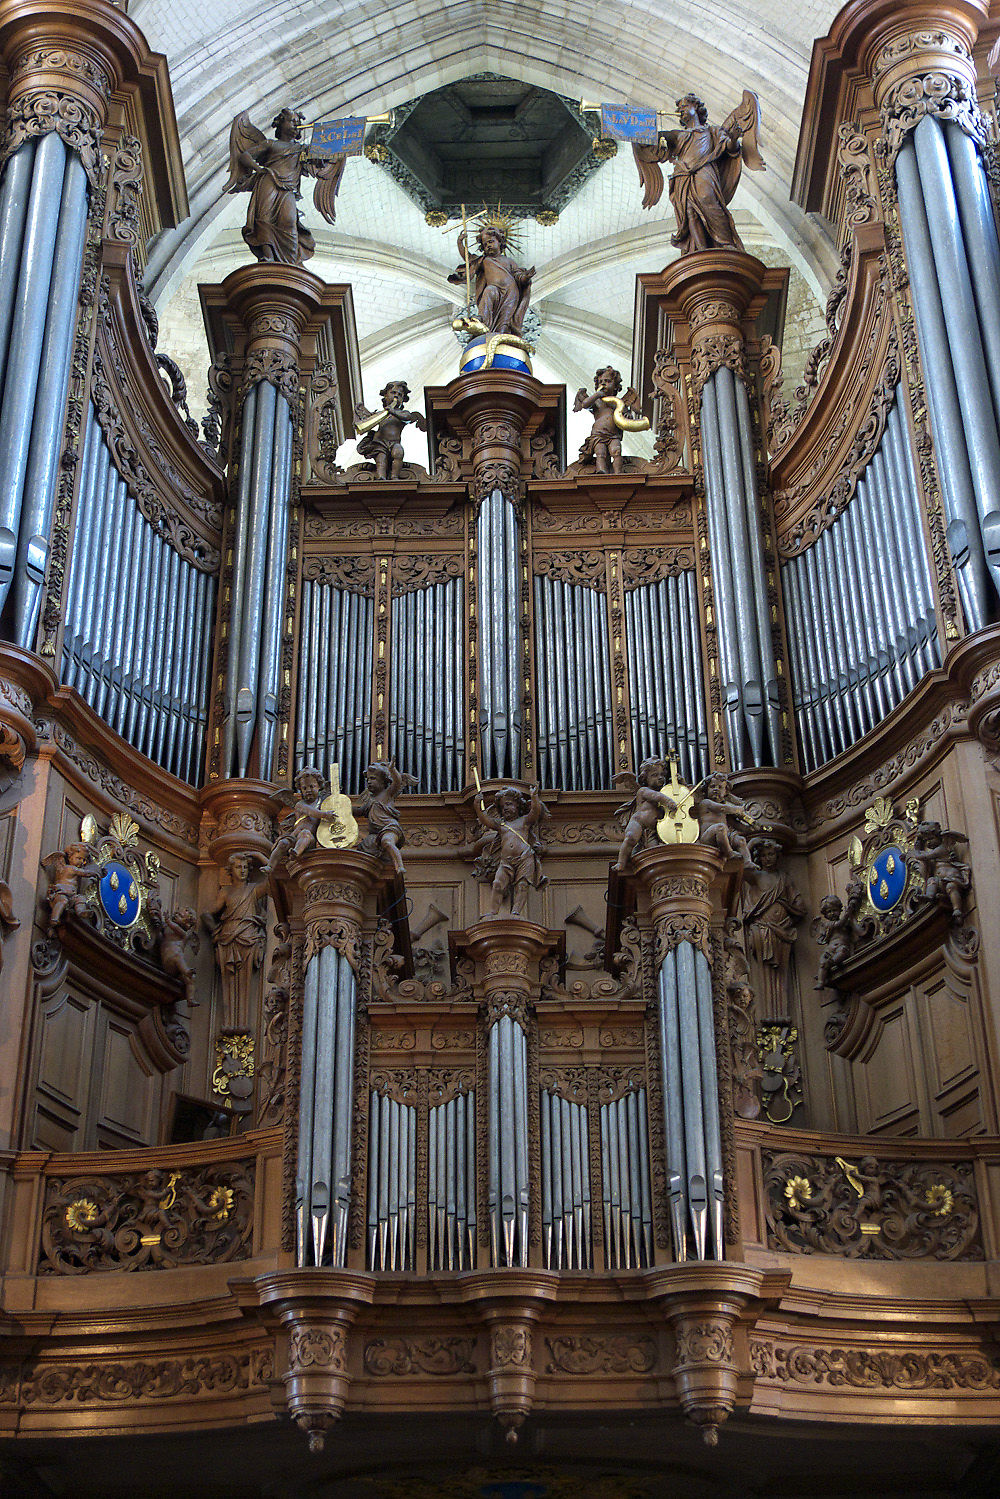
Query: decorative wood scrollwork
{"points": [[153, 1220], [884, 1210]]}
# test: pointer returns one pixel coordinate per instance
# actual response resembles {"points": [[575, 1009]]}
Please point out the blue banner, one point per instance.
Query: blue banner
{"points": [[340, 137], [620, 123]]}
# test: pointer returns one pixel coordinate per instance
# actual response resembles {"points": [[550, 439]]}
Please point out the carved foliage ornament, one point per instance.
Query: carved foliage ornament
{"points": [[716, 351], [948, 96], [40, 111], [891, 1210], [399, 1357], [279, 367], [153, 1220], [621, 1354], [867, 1369], [87, 1384], [671, 426]]}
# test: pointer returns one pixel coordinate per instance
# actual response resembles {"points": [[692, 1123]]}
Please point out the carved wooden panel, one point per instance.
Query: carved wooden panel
{"points": [[920, 1074], [887, 1080], [95, 1087]]}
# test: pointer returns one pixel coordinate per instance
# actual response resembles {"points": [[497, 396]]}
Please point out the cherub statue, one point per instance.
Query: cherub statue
{"points": [[67, 871], [949, 880], [502, 288], [298, 824], [707, 160], [383, 783], [714, 806], [649, 800], [271, 172], [833, 929], [837, 930], [380, 431], [613, 415], [179, 941], [512, 851], [238, 928]]}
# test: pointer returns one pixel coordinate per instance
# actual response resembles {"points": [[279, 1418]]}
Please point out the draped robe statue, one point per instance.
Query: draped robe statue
{"points": [[707, 160]]}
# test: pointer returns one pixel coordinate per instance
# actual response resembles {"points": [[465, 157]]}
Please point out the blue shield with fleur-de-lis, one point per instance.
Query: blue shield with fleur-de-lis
{"points": [[887, 878], [118, 893]]}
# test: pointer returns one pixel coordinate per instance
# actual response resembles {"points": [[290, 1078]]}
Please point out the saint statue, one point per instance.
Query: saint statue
{"points": [[707, 160], [271, 172], [771, 909], [238, 928], [502, 287]]}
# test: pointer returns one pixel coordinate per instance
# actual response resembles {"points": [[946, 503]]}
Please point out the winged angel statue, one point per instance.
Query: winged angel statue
{"points": [[707, 160], [271, 172]]}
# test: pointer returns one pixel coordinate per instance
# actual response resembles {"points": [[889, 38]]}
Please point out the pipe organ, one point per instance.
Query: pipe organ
{"points": [[728, 1056]]}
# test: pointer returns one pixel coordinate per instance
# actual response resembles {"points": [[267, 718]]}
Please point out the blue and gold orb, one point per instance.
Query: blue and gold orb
{"points": [[887, 878], [494, 351], [119, 895]]}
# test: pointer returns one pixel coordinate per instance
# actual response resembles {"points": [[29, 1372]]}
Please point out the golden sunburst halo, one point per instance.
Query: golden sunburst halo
{"points": [[506, 223]]}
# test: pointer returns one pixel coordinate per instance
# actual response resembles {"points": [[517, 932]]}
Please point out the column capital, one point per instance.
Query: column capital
{"points": [[688, 887], [712, 298], [271, 306]]}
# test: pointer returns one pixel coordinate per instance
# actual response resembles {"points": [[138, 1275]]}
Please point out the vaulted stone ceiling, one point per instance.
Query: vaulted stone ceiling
{"points": [[330, 59]]}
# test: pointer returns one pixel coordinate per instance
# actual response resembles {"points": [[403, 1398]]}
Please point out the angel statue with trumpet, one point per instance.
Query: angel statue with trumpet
{"points": [[271, 172], [707, 160]]}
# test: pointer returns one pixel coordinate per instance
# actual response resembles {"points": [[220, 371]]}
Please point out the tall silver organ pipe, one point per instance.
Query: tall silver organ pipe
{"points": [[507, 1141], [750, 679], [426, 694], [326, 1090], [566, 1205], [626, 1195], [665, 676], [392, 1182], [138, 621], [498, 552], [259, 547], [573, 686], [950, 240], [333, 716], [43, 220], [859, 606], [451, 1183], [691, 1103]]}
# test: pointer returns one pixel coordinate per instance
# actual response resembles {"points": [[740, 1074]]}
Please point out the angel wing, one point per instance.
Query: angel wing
{"points": [[647, 160], [626, 782], [744, 122], [244, 140], [328, 172]]}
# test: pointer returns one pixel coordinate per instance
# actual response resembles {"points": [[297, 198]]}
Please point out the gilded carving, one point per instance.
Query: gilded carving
{"points": [[890, 1210], [153, 1220]]}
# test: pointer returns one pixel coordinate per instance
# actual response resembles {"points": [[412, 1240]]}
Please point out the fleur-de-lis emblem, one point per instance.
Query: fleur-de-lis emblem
{"points": [[113, 882], [133, 892], [123, 905], [890, 865], [883, 890]]}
